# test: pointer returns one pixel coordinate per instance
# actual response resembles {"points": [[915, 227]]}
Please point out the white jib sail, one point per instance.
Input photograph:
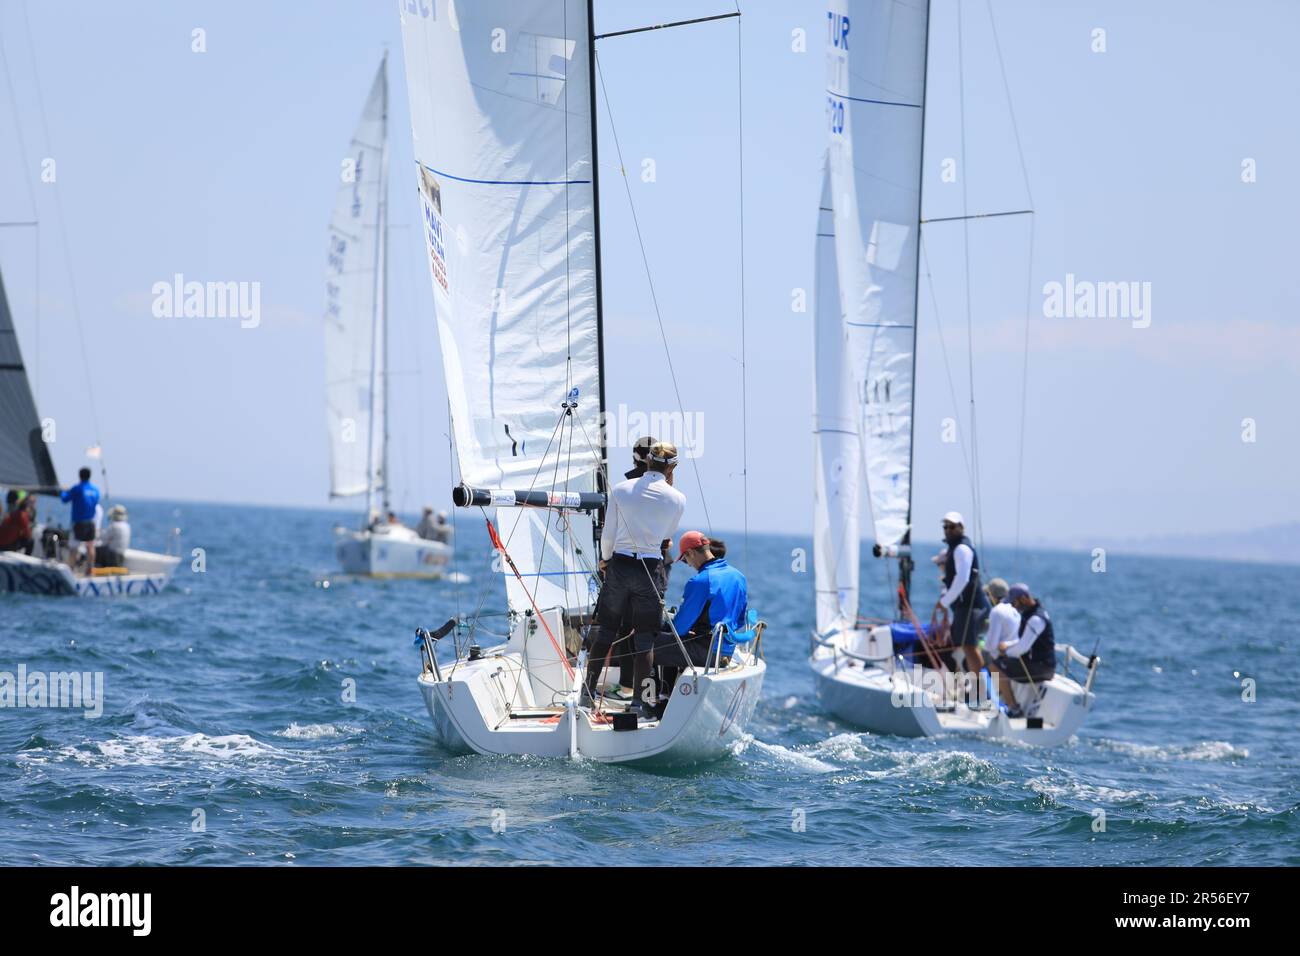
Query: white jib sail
{"points": [[875, 90], [354, 358], [838, 449], [500, 112]]}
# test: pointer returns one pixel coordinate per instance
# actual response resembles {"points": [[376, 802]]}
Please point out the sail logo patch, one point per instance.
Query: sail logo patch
{"points": [[434, 231]]}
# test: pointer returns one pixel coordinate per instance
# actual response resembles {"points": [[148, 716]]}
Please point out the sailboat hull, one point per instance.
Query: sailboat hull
{"points": [[704, 720], [885, 698], [147, 574], [515, 700], [394, 552]]}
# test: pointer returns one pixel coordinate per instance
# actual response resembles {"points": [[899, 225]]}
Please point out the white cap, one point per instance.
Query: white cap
{"points": [[953, 517]]}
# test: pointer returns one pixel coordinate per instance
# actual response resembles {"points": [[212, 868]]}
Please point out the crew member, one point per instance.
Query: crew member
{"points": [[115, 539], [84, 497], [641, 514], [1029, 657], [963, 597]]}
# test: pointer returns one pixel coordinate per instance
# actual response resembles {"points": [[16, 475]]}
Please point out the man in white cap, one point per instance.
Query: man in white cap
{"points": [[114, 539], [962, 596]]}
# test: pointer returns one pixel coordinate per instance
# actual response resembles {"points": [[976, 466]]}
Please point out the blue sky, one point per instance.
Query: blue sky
{"points": [[222, 165]]}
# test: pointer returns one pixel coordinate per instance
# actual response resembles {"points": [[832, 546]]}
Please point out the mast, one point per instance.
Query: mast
{"points": [[905, 562], [602, 472], [383, 238], [377, 347]]}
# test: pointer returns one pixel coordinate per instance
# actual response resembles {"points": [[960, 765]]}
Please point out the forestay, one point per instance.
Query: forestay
{"points": [[24, 457], [354, 313], [876, 51], [500, 111]]}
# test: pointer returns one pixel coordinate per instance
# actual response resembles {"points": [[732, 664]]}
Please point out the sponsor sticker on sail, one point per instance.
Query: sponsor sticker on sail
{"points": [[434, 231]]}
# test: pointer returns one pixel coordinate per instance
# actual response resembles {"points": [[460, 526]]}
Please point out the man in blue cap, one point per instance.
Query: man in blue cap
{"points": [[1031, 657]]}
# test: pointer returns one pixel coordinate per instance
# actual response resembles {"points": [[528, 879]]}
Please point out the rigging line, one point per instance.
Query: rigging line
{"points": [[740, 164], [665, 26], [1029, 279], [645, 261], [970, 319], [943, 350], [979, 215], [67, 254]]}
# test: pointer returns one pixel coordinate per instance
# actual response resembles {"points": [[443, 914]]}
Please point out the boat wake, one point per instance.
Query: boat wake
{"points": [[791, 758]]}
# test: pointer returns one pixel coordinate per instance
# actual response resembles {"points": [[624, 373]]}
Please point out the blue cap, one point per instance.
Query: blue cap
{"points": [[1017, 591]]}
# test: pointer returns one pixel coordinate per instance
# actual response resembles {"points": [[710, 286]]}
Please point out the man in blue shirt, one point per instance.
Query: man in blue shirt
{"points": [[716, 594], [85, 498]]}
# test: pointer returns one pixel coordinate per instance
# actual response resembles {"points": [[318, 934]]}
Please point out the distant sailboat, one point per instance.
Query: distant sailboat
{"points": [[356, 358], [868, 241], [25, 464], [508, 179]]}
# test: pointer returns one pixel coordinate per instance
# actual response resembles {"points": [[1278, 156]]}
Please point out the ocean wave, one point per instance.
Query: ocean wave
{"points": [[149, 751], [296, 731], [1203, 750], [785, 755], [1071, 789]]}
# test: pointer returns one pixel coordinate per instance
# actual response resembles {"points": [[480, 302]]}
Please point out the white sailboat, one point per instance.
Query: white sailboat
{"points": [[502, 101], [26, 465], [356, 359], [868, 242]]}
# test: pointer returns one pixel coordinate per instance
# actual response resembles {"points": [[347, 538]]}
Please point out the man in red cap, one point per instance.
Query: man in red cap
{"points": [[717, 594]]}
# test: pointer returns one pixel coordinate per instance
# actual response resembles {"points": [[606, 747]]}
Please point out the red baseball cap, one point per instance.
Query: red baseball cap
{"points": [[690, 541]]}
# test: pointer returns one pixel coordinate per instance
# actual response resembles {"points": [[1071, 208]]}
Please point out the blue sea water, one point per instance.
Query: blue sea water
{"points": [[225, 706]]}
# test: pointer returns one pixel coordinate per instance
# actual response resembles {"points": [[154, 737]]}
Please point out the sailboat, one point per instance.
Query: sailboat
{"points": [[26, 465], [356, 359], [868, 250], [502, 99]]}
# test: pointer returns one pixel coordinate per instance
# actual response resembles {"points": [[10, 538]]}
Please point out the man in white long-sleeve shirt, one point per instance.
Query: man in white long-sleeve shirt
{"points": [[640, 514], [1028, 656], [962, 594]]}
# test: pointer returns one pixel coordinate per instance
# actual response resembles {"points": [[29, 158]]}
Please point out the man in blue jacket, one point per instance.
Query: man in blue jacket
{"points": [[717, 594], [84, 497]]}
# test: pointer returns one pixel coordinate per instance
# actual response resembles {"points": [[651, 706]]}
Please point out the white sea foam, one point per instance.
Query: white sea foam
{"points": [[145, 751], [785, 755], [1201, 750], [296, 731], [1070, 789]]}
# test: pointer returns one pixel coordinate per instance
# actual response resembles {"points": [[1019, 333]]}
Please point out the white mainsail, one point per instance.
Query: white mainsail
{"points": [[354, 305], [876, 61], [501, 116], [837, 441]]}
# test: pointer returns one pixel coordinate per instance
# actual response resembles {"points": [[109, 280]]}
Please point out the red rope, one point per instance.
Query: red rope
{"points": [[920, 633], [501, 549]]}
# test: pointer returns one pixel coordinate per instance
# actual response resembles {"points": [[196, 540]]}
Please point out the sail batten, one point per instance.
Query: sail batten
{"points": [[500, 100]]}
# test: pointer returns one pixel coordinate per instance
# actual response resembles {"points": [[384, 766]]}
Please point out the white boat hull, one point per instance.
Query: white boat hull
{"points": [[147, 574], [391, 552], [885, 697], [494, 705]]}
